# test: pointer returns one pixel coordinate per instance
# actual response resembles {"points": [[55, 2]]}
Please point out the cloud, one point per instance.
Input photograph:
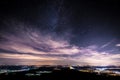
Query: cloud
{"points": [[93, 57], [28, 45], [117, 45]]}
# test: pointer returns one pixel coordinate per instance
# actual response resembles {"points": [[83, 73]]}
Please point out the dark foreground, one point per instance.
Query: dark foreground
{"points": [[58, 75]]}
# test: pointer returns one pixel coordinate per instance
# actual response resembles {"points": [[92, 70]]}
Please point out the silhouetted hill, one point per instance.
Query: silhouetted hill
{"points": [[64, 74]]}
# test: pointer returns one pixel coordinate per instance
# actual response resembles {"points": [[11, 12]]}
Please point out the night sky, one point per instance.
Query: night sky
{"points": [[60, 32]]}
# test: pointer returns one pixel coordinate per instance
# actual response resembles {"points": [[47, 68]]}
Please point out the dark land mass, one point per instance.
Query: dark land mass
{"points": [[63, 74]]}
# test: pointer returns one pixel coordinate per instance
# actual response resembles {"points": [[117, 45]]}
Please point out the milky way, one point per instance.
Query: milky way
{"points": [[55, 36]]}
